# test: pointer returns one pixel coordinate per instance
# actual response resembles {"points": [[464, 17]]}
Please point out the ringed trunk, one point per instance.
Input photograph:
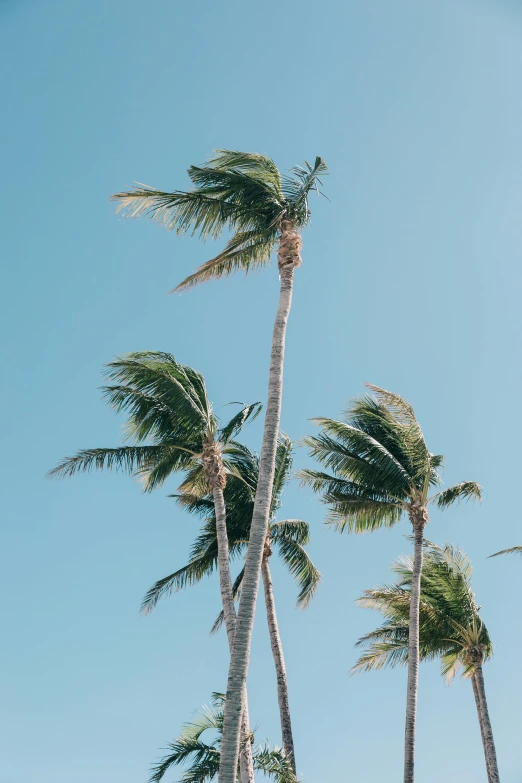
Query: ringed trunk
{"points": [[288, 258], [279, 661], [487, 739], [419, 518], [481, 723], [216, 480]]}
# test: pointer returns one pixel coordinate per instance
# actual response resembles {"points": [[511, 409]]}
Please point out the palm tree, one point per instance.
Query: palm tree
{"points": [[167, 404], [382, 468], [289, 537], [202, 756], [512, 550], [245, 193], [450, 628]]}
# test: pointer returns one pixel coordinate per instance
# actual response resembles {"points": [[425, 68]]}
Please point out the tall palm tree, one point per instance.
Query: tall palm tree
{"points": [[450, 628], [202, 755], [288, 537], [245, 193], [173, 428], [381, 468]]}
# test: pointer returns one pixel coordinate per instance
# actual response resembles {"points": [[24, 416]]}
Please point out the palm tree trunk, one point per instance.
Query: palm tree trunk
{"points": [[481, 723], [246, 764], [279, 661], [418, 518], [485, 724], [245, 621]]}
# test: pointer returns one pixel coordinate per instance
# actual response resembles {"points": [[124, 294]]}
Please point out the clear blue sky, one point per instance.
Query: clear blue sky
{"points": [[411, 279]]}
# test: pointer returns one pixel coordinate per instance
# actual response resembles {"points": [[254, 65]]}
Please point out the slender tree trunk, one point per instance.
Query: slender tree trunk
{"points": [[246, 765], [481, 723], [487, 732], [279, 661], [288, 257], [419, 517]]}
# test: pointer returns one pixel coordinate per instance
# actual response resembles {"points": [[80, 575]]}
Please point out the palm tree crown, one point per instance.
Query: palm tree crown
{"points": [[450, 628], [170, 420], [243, 192], [380, 464], [289, 537], [381, 467], [450, 624], [201, 757]]}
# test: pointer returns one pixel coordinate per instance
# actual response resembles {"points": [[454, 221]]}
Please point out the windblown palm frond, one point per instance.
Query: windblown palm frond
{"points": [[512, 550], [241, 191], [201, 758]]}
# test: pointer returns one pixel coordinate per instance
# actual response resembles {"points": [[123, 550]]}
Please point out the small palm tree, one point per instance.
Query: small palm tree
{"points": [[450, 628], [201, 757], [246, 194], [381, 468], [288, 537], [172, 424]]}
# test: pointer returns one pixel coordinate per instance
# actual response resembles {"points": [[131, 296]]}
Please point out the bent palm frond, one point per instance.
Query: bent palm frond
{"points": [[512, 550]]}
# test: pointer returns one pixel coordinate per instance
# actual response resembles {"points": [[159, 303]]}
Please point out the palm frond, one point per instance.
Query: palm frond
{"points": [[283, 466], [274, 763], [300, 566], [466, 490], [245, 251], [190, 574], [234, 426], [510, 551], [200, 212], [297, 187], [126, 458]]}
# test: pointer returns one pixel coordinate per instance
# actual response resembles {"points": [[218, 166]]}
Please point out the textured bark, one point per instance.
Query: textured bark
{"points": [[279, 661], [245, 619], [419, 518], [246, 765], [488, 741], [481, 722]]}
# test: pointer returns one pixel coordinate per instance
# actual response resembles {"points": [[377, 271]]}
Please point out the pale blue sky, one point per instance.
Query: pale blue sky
{"points": [[411, 279]]}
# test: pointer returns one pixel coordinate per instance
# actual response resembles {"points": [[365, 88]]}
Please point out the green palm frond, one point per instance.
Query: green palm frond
{"points": [[466, 490], [234, 426], [126, 458], [160, 377], [274, 763], [510, 551], [358, 456], [200, 212], [292, 529], [284, 460], [300, 566], [297, 188], [201, 759], [245, 251]]}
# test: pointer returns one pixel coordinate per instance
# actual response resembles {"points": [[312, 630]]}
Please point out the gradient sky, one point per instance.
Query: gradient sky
{"points": [[411, 280]]}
